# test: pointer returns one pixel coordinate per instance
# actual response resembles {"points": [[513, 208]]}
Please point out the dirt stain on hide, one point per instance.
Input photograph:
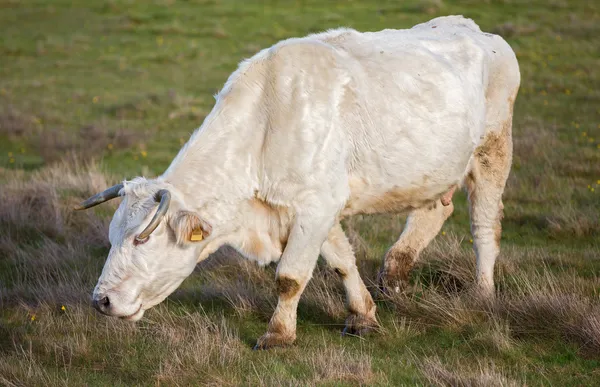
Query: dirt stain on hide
{"points": [[287, 287], [491, 156], [400, 262]]}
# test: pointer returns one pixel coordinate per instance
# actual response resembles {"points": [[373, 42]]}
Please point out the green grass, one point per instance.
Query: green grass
{"points": [[125, 83]]}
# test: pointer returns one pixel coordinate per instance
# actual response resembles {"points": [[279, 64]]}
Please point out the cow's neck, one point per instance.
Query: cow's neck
{"points": [[220, 161], [217, 173]]}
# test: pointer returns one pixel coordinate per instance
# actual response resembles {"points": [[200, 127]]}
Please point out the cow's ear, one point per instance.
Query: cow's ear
{"points": [[189, 227]]}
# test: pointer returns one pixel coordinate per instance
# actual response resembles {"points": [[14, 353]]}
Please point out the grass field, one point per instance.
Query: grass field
{"points": [[92, 92]]}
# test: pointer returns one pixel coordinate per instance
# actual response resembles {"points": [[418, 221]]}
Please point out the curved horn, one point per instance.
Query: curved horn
{"points": [[101, 197], [164, 197]]}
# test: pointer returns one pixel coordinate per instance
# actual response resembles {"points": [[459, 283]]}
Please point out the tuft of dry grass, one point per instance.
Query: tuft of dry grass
{"points": [[194, 344], [13, 124], [42, 239], [50, 255], [341, 366], [250, 289], [495, 336], [460, 375], [568, 221], [529, 304], [186, 347], [244, 286], [91, 141], [53, 144], [587, 332], [547, 308], [331, 366], [325, 292]]}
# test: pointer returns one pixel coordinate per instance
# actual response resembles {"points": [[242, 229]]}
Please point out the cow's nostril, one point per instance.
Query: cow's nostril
{"points": [[102, 305]]}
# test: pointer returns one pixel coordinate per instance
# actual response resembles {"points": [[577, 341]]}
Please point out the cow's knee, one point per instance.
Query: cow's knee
{"points": [[287, 287], [397, 265]]}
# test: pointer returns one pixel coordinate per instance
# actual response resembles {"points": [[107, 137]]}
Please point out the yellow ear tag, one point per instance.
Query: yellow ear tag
{"points": [[196, 236]]}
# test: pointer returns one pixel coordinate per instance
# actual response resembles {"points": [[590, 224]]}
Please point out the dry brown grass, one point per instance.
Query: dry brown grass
{"points": [[536, 303], [53, 258], [568, 221], [13, 124], [246, 288], [336, 365], [90, 142], [181, 347], [194, 343], [42, 239], [333, 366], [53, 144], [545, 308], [250, 289], [50, 254], [155, 66], [458, 374]]}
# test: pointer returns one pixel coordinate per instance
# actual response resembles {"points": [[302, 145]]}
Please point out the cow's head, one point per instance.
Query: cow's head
{"points": [[155, 243]]}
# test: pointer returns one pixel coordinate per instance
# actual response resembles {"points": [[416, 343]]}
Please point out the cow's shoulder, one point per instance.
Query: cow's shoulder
{"points": [[297, 52], [448, 22]]}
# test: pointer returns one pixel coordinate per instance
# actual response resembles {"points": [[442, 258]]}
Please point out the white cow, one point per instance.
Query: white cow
{"points": [[312, 130]]}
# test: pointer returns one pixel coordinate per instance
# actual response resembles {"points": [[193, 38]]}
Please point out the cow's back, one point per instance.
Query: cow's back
{"points": [[395, 113], [424, 94]]}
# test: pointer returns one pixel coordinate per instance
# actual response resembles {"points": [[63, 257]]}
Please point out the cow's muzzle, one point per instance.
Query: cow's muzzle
{"points": [[102, 304]]}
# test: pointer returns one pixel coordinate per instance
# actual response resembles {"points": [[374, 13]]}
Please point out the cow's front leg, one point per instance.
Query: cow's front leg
{"points": [[293, 273]]}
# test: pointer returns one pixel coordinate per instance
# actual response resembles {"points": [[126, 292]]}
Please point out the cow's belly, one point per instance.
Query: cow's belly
{"points": [[367, 198], [393, 182]]}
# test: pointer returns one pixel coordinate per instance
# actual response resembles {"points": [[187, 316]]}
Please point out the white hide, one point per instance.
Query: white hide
{"points": [[314, 129]]}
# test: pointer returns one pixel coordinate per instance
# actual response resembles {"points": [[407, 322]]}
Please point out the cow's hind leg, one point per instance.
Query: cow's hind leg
{"points": [[485, 185], [422, 225], [338, 253]]}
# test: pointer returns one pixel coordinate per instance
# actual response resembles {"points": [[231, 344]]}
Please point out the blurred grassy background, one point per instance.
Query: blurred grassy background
{"points": [[123, 84]]}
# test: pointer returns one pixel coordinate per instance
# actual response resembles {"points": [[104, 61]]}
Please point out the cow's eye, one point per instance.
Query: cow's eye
{"points": [[137, 241]]}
